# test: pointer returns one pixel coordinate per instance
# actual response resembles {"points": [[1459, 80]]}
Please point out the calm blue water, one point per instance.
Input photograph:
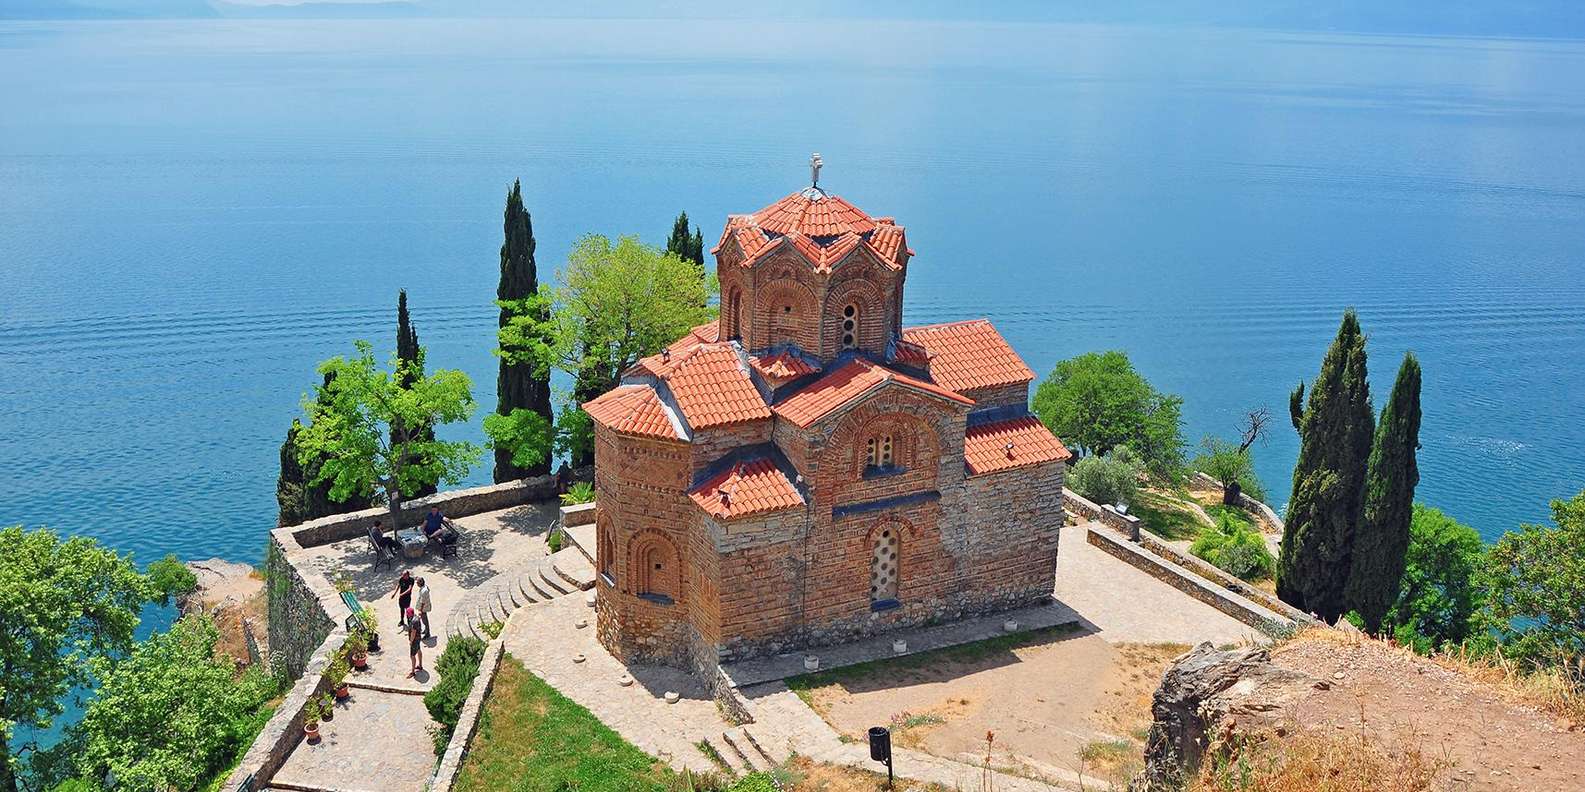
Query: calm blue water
{"points": [[193, 213]]}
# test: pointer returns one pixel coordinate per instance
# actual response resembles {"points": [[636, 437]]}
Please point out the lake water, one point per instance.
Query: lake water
{"points": [[193, 213]]}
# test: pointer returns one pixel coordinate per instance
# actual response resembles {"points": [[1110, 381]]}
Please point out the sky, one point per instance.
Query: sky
{"points": [[1498, 18]]}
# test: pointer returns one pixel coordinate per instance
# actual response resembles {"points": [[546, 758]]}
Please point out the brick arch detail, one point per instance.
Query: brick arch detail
{"points": [[909, 530], [914, 441], [873, 315], [605, 546], [774, 324]]}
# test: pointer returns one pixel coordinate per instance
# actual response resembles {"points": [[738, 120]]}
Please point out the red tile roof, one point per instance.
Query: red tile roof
{"points": [[780, 367], [661, 364], [753, 486], [712, 388], [969, 355], [847, 383], [985, 446], [634, 410], [821, 227]]}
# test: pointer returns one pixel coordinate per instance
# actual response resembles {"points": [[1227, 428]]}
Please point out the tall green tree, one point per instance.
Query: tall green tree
{"points": [[411, 358], [170, 714], [1098, 401], [351, 429], [1328, 482], [686, 245], [1536, 580], [64, 606], [523, 387], [617, 303], [1392, 473], [299, 501]]}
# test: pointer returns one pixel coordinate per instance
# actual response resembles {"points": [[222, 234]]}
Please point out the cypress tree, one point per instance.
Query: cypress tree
{"points": [[687, 246], [411, 356], [1328, 481], [1383, 538], [516, 385], [298, 500]]}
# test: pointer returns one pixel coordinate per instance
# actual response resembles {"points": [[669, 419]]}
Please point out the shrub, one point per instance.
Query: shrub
{"points": [[457, 667], [1097, 402], [1235, 548], [1226, 462], [1439, 596], [1537, 588], [579, 492], [1113, 478], [171, 578]]}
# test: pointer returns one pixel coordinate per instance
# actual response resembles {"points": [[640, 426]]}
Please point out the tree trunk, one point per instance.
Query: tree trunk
{"points": [[395, 503], [8, 779], [1231, 493]]}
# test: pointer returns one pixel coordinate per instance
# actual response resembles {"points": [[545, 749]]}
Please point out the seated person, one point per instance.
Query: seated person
{"points": [[379, 538], [435, 527]]}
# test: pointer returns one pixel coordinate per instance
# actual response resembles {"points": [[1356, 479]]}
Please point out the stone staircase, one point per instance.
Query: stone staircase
{"points": [[742, 752], [556, 575]]}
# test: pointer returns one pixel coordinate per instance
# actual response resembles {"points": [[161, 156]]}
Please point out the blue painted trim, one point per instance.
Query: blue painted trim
{"points": [[885, 503], [884, 605]]}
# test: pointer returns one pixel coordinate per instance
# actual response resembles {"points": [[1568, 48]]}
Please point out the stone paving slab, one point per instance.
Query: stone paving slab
{"points": [[378, 742], [923, 639], [583, 537]]}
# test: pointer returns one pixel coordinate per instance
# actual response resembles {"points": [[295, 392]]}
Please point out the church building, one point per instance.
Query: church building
{"points": [[807, 470]]}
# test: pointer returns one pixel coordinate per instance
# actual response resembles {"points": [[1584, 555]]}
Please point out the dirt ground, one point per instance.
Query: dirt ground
{"points": [[1075, 702], [1485, 737], [229, 592]]}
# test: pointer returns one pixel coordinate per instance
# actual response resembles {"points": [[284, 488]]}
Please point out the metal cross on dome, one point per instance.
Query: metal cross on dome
{"points": [[814, 169]]}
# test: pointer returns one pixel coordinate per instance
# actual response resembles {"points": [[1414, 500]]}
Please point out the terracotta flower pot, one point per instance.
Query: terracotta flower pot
{"points": [[311, 731], [343, 691], [360, 660]]}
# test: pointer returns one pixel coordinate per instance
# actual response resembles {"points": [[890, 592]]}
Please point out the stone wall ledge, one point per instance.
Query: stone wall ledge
{"points": [[468, 719], [455, 503], [577, 514], [1188, 582]]}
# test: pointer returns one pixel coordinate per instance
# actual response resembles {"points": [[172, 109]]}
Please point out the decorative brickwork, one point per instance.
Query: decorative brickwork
{"points": [[833, 499]]}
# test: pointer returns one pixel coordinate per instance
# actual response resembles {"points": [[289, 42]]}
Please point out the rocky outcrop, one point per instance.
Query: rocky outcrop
{"points": [[220, 583], [1202, 696]]}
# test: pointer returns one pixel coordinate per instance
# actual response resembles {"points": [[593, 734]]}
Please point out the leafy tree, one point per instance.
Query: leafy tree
{"points": [[1113, 478], [171, 714], [686, 246], [1097, 402], [1440, 596], [618, 303], [524, 384], [351, 428], [1328, 481], [64, 606], [411, 357], [298, 500], [1235, 548], [170, 579], [1536, 579], [1231, 465], [1382, 537]]}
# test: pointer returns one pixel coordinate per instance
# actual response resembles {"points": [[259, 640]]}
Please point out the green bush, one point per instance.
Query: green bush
{"points": [[579, 492], [457, 667], [1235, 548], [1113, 478], [755, 782], [1439, 596], [171, 578], [1536, 584]]}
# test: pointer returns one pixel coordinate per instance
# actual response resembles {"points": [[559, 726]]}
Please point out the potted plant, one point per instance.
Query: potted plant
{"points": [[371, 628], [327, 709], [358, 649], [337, 677], [311, 723]]}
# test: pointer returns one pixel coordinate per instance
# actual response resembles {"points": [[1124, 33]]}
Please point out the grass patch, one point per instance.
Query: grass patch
{"points": [[1321, 761], [713, 755], [1166, 516], [804, 685]]}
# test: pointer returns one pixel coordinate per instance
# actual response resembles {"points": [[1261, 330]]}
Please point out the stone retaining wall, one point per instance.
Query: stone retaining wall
{"points": [[1189, 583], [1079, 506], [455, 503], [285, 728], [468, 719], [1205, 569], [577, 514], [298, 619]]}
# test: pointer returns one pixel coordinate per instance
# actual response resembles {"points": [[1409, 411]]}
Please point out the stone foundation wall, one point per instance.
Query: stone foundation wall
{"points": [[1191, 584], [298, 621]]}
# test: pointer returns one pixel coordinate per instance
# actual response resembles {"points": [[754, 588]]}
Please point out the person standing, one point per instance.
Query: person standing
{"points": [[403, 595], [422, 603], [415, 643]]}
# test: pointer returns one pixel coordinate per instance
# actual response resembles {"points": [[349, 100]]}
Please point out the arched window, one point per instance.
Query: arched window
{"points": [[734, 314], [605, 552], [656, 576], [850, 326], [879, 453], [883, 565]]}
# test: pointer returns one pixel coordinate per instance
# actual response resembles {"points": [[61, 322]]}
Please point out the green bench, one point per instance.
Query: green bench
{"points": [[354, 621]]}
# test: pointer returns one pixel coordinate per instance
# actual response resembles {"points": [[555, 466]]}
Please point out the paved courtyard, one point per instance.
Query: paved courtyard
{"points": [[494, 545], [377, 742]]}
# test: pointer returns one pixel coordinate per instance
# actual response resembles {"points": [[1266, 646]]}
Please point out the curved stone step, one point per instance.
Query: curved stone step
{"points": [[525, 586], [759, 749], [541, 587], [547, 573], [573, 568]]}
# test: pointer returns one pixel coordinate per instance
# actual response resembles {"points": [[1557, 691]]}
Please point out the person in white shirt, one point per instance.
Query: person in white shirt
{"points": [[423, 603]]}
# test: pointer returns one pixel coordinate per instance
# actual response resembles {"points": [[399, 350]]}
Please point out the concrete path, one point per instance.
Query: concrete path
{"points": [[378, 742], [1125, 605]]}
